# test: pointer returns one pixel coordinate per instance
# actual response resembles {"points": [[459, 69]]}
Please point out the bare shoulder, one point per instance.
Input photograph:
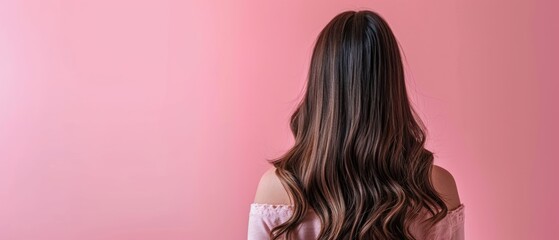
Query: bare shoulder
{"points": [[270, 190], [444, 183]]}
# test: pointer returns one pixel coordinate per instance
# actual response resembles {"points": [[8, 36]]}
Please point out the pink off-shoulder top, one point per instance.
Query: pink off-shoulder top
{"points": [[263, 217]]}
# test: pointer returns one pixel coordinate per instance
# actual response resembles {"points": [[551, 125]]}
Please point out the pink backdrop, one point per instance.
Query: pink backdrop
{"points": [[153, 119]]}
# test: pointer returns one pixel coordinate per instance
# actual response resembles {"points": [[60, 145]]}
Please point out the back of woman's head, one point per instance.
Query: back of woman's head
{"points": [[358, 160]]}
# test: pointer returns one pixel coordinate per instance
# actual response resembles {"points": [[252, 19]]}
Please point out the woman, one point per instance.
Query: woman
{"points": [[358, 168]]}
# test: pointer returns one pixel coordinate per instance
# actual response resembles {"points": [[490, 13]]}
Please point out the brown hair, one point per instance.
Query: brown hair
{"points": [[359, 159]]}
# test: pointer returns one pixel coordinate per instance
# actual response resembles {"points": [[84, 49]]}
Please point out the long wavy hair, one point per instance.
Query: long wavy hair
{"points": [[358, 159]]}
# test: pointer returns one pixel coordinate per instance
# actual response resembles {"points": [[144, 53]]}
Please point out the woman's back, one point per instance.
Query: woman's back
{"points": [[359, 159], [272, 207]]}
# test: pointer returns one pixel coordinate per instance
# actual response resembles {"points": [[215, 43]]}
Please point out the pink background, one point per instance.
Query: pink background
{"points": [[153, 119]]}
